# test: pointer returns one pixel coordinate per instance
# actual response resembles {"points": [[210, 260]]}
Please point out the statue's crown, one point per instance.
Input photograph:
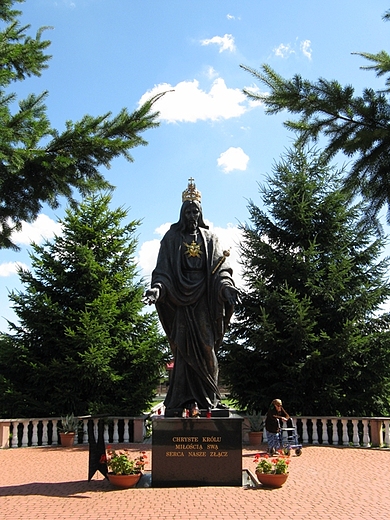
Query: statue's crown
{"points": [[191, 193]]}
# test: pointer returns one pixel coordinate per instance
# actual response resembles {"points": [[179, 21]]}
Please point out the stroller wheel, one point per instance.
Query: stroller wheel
{"points": [[298, 452], [286, 451]]}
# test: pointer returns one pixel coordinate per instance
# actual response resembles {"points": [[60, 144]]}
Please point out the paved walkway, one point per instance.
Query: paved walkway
{"points": [[324, 483]]}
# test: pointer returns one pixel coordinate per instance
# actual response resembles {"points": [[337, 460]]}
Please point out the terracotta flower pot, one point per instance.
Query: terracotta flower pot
{"points": [[124, 481], [273, 480], [255, 438], [67, 439]]}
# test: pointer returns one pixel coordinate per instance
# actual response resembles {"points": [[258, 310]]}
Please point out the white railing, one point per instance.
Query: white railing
{"points": [[333, 431], [343, 431], [16, 433]]}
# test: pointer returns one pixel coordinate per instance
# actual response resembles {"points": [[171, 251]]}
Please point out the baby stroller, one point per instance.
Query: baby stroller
{"points": [[289, 439]]}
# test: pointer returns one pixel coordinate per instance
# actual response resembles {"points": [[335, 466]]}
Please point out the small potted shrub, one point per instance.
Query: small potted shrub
{"points": [[254, 425], [70, 425]]}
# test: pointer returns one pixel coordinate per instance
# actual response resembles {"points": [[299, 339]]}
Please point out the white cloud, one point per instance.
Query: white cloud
{"points": [[161, 230], [233, 159], [10, 268], [189, 103], [147, 254], [230, 17], [43, 228], [283, 51], [147, 257], [306, 48], [226, 42], [211, 73], [229, 238], [66, 3]]}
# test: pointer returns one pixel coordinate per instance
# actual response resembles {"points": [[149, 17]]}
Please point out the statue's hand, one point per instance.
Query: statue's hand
{"points": [[230, 294], [152, 295]]}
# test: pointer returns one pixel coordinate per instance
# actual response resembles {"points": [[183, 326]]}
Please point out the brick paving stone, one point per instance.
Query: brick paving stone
{"points": [[324, 483]]}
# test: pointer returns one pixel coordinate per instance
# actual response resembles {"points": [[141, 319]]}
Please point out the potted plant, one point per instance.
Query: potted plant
{"points": [[254, 425], [272, 471], [124, 469], [68, 428]]}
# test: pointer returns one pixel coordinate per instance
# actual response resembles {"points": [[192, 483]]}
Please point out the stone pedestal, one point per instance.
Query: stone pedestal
{"points": [[376, 432], [4, 433], [139, 428], [197, 452]]}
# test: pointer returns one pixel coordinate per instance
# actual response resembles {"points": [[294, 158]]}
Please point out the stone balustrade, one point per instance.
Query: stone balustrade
{"points": [[343, 431], [16, 433], [333, 431]]}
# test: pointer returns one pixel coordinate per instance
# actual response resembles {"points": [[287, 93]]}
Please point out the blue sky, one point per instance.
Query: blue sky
{"points": [[110, 54]]}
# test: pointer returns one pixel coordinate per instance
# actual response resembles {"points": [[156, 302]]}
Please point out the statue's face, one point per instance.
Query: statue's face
{"points": [[191, 216]]}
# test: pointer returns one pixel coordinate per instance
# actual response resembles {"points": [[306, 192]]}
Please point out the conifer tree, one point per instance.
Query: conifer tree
{"points": [[309, 328], [83, 343], [356, 125], [39, 164]]}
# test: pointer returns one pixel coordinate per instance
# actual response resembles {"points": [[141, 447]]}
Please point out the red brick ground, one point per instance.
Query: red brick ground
{"points": [[324, 483]]}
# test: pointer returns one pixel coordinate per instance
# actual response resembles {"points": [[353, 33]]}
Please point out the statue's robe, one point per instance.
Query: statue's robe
{"points": [[194, 315]]}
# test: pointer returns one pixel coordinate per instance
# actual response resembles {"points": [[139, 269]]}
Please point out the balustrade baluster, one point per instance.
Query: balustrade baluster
{"points": [[126, 430], [328, 430], [335, 435], [305, 433], [55, 440], [116, 432], [95, 428], [366, 436], [344, 432], [25, 433], [355, 439], [45, 432], [34, 436], [315, 431]]}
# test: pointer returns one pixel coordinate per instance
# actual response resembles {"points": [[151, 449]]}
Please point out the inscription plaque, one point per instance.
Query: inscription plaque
{"points": [[196, 452]]}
